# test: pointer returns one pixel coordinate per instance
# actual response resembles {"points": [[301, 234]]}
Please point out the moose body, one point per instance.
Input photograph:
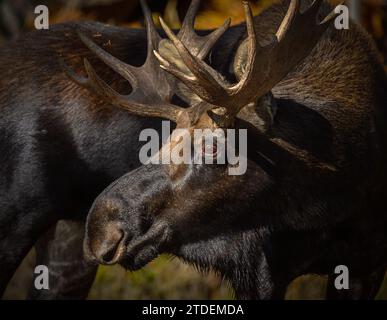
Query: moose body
{"points": [[313, 196], [53, 162]]}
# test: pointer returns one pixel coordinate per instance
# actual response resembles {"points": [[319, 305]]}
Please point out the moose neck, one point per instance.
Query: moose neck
{"points": [[259, 263]]}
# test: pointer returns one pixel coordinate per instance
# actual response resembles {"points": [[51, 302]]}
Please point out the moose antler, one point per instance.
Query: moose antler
{"points": [[152, 87], [266, 65], [151, 91]]}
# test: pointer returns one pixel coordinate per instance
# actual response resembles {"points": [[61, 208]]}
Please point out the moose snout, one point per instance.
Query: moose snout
{"points": [[105, 235], [125, 224], [109, 247]]}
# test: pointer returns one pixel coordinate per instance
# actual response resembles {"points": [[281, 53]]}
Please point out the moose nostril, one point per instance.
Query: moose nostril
{"points": [[109, 255], [108, 250]]}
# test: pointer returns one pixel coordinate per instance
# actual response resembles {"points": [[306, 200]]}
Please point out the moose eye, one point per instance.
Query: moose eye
{"points": [[210, 150]]}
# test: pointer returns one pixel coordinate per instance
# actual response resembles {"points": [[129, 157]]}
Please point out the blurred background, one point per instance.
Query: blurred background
{"points": [[165, 278]]}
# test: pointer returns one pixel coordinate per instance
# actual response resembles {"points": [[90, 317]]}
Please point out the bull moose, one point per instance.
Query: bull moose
{"points": [[313, 194]]}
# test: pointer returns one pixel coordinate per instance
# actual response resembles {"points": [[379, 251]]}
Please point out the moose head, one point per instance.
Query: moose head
{"points": [[198, 211]]}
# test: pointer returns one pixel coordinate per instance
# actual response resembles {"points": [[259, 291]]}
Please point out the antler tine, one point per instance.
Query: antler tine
{"points": [[94, 83], [189, 20], [286, 23], [128, 72], [199, 45], [252, 47], [153, 36], [211, 39]]}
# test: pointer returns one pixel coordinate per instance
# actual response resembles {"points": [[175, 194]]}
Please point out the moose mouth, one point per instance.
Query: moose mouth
{"points": [[136, 261], [140, 251]]}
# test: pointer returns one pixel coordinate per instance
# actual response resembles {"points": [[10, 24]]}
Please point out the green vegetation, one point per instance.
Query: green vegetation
{"points": [[166, 278]]}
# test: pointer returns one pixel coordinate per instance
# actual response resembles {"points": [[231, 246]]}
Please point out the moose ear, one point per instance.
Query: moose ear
{"points": [[240, 61], [239, 65], [260, 114]]}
